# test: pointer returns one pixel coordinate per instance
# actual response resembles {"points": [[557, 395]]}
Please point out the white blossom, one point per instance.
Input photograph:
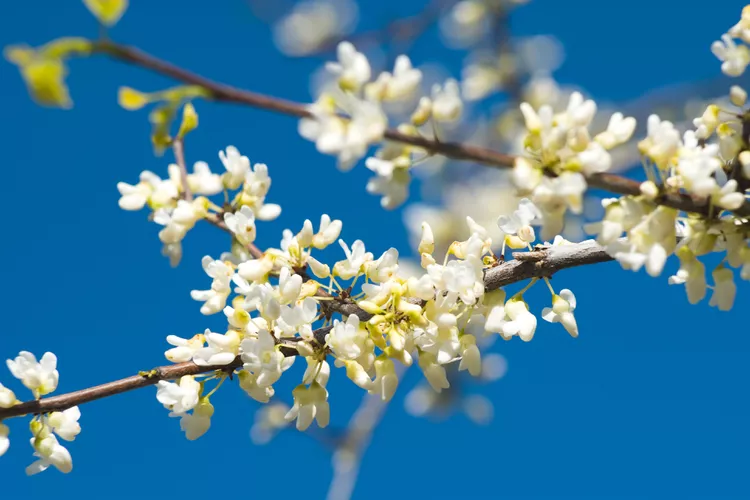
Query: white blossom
{"points": [[7, 397], [446, 101], [735, 58], [215, 299], [399, 85], [65, 423], [356, 258], [347, 340], [179, 397], [197, 423], [261, 358], [40, 377], [352, 68], [4, 440], [221, 349], [561, 311], [309, 403], [50, 452]]}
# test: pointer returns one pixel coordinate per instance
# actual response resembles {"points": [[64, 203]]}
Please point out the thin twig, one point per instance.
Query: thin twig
{"points": [[556, 259], [226, 93], [178, 148]]}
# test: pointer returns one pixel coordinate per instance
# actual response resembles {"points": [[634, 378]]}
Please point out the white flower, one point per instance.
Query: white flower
{"points": [[134, 197], [348, 139], [463, 277], [221, 349], [184, 349], [619, 131], [255, 270], [727, 196], [697, 165], [470, 357], [309, 403], [151, 189], [386, 380], [254, 191], [525, 175], [352, 68], [297, 318], [512, 319], [311, 23], [735, 58], [327, 233], [433, 372], [724, 289], [742, 28], [237, 167], [519, 223], [384, 268], [319, 269], [50, 452], [561, 311], [203, 181], [216, 298], [39, 377], [317, 371], [356, 258], [197, 423], [662, 142], [391, 182], [249, 384], [4, 441], [347, 340], [446, 101], [594, 159], [554, 195], [179, 397], [397, 86], [692, 274], [65, 423], [262, 359], [242, 224], [7, 397]]}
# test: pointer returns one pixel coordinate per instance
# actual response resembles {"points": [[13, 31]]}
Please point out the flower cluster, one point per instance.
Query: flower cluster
{"points": [[41, 377], [735, 58], [177, 214], [349, 118], [561, 154], [285, 303]]}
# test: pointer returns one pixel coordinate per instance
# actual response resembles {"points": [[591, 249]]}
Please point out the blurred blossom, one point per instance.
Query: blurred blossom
{"points": [[465, 23], [494, 367], [480, 197], [420, 401], [540, 55], [269, 420], [478, 408], [313, 23]]}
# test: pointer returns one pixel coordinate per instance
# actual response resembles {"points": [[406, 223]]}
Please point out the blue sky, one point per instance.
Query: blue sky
{"points": [[651, 400]]}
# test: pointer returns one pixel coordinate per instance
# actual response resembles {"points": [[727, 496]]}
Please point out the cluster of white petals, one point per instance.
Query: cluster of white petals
{"points": [[41, 378], [560, 155], [177, 215]]}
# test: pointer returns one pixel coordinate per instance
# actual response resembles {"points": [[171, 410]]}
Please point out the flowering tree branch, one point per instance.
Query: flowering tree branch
{"points": [[543, 262], [225, 93]]}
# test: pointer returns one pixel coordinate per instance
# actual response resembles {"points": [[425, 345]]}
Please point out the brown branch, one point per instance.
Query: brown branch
{"points": [[548, 262], [457, 151]]}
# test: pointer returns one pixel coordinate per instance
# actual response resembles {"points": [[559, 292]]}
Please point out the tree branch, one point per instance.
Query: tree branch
{"points": [[545, 262], [457, 151]]}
